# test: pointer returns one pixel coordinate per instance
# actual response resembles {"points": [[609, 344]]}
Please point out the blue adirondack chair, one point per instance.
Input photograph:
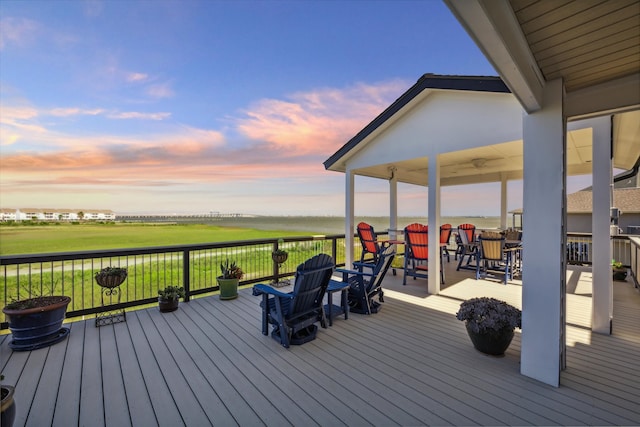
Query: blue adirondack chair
{"points": [[294, 314], [365, 282]]}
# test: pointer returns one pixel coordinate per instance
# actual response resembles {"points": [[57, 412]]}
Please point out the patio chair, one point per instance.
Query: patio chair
{"points": [[445, 237], [369, 242], [513, 240], [467, 246], [365, 282], [416, 253], [494, 256], [294, 314]]}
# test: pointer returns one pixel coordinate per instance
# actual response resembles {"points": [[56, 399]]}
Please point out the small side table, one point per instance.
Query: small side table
{"points": [[336, 310]]}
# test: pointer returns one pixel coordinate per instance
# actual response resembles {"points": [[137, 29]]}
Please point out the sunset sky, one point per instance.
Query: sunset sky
{"points": [[229, 106]]}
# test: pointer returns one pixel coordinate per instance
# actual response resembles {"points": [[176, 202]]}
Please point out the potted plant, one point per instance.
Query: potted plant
{"points": [[279, 256], [229, 279], [111, 277], [169, 298], [37, 322], [490, 323], [619, 272], [8, 408]]}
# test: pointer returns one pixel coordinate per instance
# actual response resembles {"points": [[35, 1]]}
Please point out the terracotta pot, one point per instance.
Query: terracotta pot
{"points": [[8, 409], [493, 344]]}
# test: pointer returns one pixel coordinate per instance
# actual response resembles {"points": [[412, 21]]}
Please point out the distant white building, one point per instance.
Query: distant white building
{"points": [[46, 214]]}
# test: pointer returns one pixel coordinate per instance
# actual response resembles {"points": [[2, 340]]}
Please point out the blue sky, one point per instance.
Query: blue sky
{"points": [[197, 106]]}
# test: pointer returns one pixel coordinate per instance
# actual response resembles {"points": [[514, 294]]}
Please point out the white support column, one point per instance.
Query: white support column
{"points": [[544, 274], [602, 300], [349, 217], [503, 201], [393, 203], [433, 281]]}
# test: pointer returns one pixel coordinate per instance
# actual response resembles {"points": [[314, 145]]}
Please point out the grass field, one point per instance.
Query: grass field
{"points": [[147, 273], [83, 237]]}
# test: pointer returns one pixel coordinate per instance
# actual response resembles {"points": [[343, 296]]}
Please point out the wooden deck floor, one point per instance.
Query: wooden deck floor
{"points": [[410, 364]]}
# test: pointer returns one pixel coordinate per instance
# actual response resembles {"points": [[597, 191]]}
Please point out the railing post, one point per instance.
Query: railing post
{"points": [[186, 275], [334, 249], [276, 266]]}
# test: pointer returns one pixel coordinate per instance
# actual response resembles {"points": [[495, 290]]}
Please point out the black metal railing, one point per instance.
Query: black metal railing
{"points": [[195, 267]]}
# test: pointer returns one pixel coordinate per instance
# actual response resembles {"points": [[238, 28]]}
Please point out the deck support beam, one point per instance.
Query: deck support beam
{"points": [[544, 239], [393, 204], [349, 217], [433, 281], [602, 301], [503, 200]]}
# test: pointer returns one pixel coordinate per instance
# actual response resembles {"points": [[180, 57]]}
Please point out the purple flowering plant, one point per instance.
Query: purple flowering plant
{"points": [[489, 315]]}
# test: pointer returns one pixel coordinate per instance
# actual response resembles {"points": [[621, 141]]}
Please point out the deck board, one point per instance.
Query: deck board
{"points": [[165, 409], [67, 406], [44, 399], [116, 410], [139, 405], [410, 364], [91, 395]]}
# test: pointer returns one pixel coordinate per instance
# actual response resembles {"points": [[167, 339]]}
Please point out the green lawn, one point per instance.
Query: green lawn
{"points": [[83, 237]]}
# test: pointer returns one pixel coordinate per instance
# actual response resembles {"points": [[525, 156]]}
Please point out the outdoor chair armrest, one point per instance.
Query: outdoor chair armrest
{"points": [[353, 272], [358, 265], [261, 289]]}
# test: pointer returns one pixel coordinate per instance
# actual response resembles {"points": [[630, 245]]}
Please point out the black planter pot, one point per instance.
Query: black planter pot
{"points": [[110, 281], [620, 274], [279, 258], [168, 305], [37, 327], [493, 344], [8, 409]]}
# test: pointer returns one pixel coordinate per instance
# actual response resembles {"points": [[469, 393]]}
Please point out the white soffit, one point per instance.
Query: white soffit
{"points": [[591, 45], [626, 134]]}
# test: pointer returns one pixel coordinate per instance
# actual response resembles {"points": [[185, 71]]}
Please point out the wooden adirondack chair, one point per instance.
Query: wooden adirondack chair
{"points": [[294, 314]]}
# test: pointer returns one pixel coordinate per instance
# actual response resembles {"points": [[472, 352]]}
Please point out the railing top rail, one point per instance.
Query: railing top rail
{"points": [[106, 253]]}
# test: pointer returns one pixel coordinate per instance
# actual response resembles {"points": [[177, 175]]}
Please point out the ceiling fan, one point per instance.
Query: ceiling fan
{"points": [[480, 163]]}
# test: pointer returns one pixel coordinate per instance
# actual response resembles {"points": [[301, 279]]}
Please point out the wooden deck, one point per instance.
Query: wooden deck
{"points": [[410, 364]]}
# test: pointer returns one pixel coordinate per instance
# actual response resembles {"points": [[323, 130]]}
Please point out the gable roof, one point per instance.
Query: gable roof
{"points": [[427, 81], [581, 202], [625, 199]]}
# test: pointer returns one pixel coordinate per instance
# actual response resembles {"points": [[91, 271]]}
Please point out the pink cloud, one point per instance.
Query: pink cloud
{"points": [[137, 77], [17, 31], [288, 139], [163, 90], [320, 121], [139, 115], [65, 112]]}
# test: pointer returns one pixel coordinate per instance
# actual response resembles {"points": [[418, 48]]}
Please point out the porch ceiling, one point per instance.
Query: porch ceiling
{"points": [[489, 163], [592, 45]]}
